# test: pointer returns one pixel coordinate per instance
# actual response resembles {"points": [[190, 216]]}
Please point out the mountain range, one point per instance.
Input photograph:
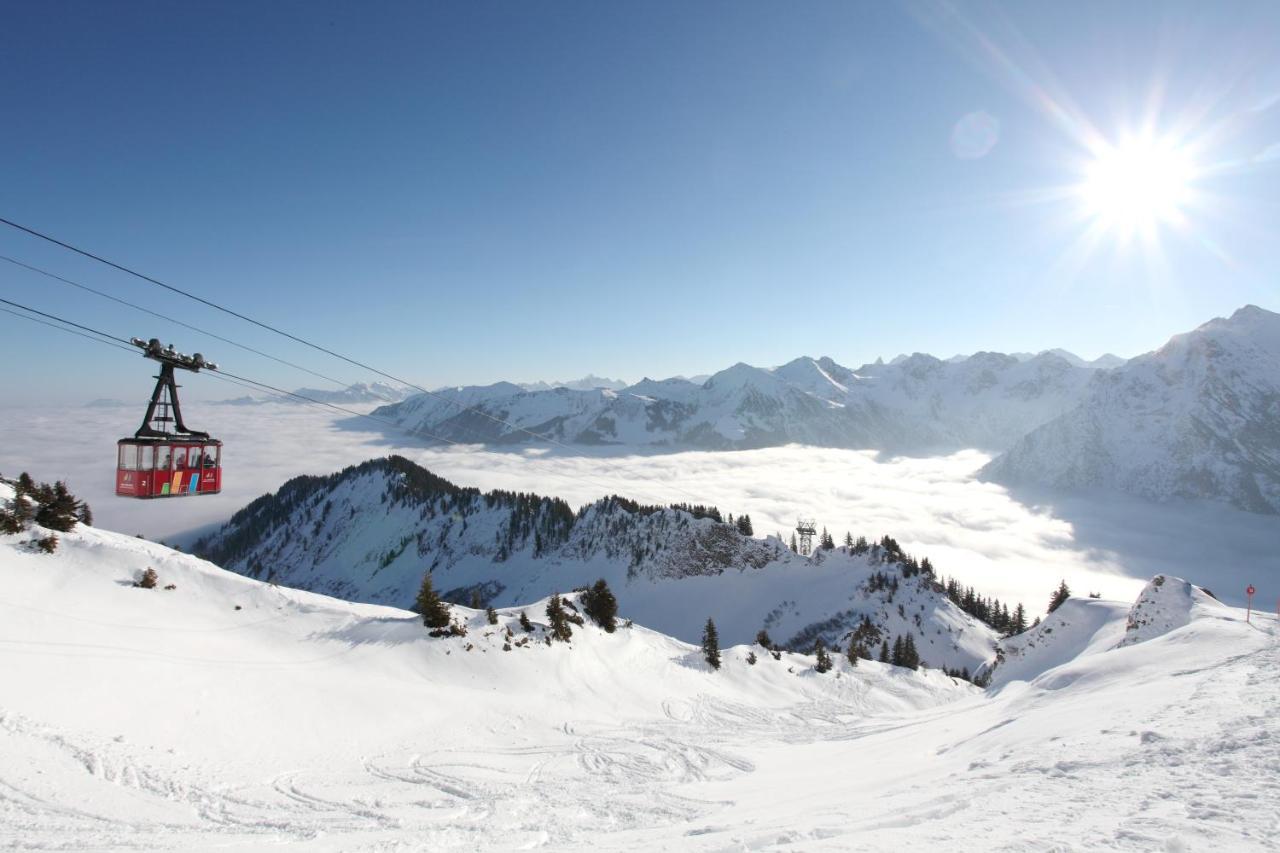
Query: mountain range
{"points": [[369, 532], [1198, 418], [918, 404]]}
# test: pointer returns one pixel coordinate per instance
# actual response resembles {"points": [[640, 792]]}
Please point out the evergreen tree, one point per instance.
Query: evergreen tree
{"points": [[476, 601], [1018, 622], [711, 644], [58, 512], [525, 623], [827, 542], [25, 485], [559, 619], [601, 605], [794, 546], [751, 658], [84, 514], [884, 651], [744, 525], [1061, 594], [491, 615], [435, 613], [854, 652], [896, 658], [763, 640], [910, 657], [149, 579], [822, 660], [848, 540]]}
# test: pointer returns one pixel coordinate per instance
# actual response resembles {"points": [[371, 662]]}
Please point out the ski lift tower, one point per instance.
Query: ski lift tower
{"points": [[806, 528]]}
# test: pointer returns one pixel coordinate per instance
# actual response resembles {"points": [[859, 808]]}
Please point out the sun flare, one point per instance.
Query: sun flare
{"points": [[1137, 185]]}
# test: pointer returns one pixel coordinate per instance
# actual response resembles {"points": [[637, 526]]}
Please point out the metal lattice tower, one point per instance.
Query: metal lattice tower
{"points": [[806, 529]]}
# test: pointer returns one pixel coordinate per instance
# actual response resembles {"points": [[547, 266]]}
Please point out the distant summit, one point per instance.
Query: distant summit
{"points": [[590, 382], [1198, 418]]}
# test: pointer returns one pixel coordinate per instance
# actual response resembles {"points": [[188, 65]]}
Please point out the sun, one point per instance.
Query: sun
{"points": [[1137, 185]]}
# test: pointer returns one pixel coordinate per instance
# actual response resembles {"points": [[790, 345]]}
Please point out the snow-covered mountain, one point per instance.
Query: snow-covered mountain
{"points": [[590, 382], [370, 532], [1199, 418], [919, 403], [359, 393], [215, 711]]}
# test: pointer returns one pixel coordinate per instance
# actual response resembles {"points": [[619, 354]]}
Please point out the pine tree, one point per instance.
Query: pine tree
{"points": [[149, 579], [884, 651], [910, 657], [1060, 595], [848, 540], [827, 542], [751, 658], [822, 660], [711, 644], [763, 640], [58, 511], [491, 615], [1018, 623], [744, 525], [559, 619], [794, 546], [525, 623], [854, 652], [25, 485], [896, 658], [84, 514], [435, 613], [601, 605], [476, 601]]}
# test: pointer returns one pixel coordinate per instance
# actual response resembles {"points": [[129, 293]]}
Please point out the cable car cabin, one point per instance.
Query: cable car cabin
{"points": [[165, 458], [182, 467]]}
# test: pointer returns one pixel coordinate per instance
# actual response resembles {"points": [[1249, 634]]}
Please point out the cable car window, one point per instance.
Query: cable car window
{"points": [[128, 457], [144, 464], [210, 457], [162, 457], [179, 457]]}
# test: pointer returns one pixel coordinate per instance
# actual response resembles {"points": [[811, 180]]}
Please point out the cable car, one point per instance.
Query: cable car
{"points": [[164, 458]]}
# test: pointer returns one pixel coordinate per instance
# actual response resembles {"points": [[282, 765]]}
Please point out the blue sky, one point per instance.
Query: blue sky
{"points": [[470, 192]]}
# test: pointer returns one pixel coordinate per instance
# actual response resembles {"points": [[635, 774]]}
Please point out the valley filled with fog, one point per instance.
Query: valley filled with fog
{"points": [[1013, 545]]}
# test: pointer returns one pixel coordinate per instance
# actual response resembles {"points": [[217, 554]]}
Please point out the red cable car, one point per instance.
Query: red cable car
{"points": [[165, 459]]}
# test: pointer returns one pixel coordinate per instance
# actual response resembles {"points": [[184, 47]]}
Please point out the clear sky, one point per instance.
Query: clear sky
{"points": [[468, 192]]}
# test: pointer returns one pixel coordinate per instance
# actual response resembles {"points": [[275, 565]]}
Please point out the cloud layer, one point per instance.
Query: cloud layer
{"points": [[1015, 546]]}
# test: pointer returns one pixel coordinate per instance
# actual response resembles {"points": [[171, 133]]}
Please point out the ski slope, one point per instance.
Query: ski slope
{"points": [[230, 714]]}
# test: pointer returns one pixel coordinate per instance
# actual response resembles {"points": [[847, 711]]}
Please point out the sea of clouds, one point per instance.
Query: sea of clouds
{"points": [[1014, 546]]}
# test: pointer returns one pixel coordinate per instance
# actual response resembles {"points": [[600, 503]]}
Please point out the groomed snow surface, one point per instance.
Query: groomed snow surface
{"points": [[233, 715]]}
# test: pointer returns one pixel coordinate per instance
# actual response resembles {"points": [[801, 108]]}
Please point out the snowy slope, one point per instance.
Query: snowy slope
{"points": [[233, 715], [1198, 418], [220, 709], [370, 532], [918, 403]]}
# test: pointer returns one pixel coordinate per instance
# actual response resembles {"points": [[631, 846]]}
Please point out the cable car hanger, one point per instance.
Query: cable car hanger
{"points": [[169, 358]]}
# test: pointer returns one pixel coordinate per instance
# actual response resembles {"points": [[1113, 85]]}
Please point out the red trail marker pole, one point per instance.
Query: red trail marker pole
{"points": [[1249, 613]]}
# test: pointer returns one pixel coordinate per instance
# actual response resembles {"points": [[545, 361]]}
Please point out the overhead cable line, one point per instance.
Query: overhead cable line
{"points": [[120, 343], [130, 350], [319, 348], [174, 320]]}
